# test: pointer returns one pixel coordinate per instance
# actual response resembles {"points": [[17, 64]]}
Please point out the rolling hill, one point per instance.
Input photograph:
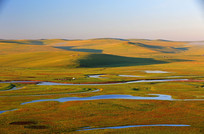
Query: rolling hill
{"points": [[90, 53]]}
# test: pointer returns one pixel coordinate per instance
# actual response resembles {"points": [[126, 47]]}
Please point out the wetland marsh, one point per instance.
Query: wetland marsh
{"points": [[159, 91]]}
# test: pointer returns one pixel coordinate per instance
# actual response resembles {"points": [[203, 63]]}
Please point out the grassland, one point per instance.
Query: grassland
{"points": [[5, 86], [61, 60]]}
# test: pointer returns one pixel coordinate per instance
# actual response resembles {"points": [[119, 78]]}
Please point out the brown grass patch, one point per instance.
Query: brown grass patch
{"points": [[36, 127], [23, 123]]}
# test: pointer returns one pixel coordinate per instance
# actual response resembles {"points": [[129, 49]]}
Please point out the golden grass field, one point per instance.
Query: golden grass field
{"points": [[71, 61]]}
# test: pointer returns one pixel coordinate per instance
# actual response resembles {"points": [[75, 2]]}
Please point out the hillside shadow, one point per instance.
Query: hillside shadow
{"points": [[35, 42], [106, 60], [110, 39], [164, 40], [161, 48], [178, 60], [181, 48], [70, 48], [11, 41], [30, 42], [147, 46]]}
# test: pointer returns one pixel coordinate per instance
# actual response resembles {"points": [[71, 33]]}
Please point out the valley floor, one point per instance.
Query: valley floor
{"points": [[101, 86]]}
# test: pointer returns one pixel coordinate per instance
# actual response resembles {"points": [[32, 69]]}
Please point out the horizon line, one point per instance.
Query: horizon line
{"points": [[124, 39]]}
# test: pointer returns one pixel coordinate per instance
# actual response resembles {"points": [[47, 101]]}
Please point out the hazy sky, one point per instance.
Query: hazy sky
{"points": [[83, 19]]}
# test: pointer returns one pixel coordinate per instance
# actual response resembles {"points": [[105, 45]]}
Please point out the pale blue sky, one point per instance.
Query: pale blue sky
{"points": [[83, 19]]}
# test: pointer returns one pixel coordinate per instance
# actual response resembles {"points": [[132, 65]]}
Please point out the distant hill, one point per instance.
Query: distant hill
{"points": [[103, 52]]}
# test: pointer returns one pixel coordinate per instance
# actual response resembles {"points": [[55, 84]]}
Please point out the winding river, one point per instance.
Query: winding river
{"points": [[97, 90], [102, 97], [113, 83], [66, 99], [115, 96], [136, 81], [7, 111], [130, 126]]}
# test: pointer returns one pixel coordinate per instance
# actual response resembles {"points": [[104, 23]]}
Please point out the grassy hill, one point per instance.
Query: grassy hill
{"points": [[85, 53], [116, 60], [17, 47], [41, 59], [136, 54]]}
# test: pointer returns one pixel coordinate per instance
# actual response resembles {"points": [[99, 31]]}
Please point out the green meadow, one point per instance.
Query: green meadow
{"points": [[74, 61]]}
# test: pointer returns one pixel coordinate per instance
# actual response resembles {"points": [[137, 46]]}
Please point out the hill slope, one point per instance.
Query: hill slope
{"points": [[89, 53]]}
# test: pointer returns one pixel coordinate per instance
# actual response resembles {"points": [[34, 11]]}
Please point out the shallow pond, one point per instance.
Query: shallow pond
{"points": [[156, 72], [96, 76], [129, 76]]}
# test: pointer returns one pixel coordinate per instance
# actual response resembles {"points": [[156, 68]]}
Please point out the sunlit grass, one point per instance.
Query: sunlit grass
{"points": [[40, 60]]}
